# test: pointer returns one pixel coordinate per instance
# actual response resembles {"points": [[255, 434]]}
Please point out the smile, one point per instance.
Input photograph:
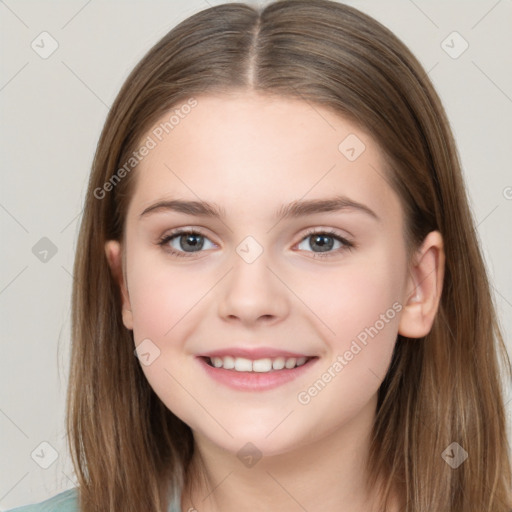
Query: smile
{"points": [[241, 364], [263, 374]]}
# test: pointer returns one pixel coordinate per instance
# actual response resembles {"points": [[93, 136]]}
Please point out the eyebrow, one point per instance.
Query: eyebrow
{"points": [[294, 209]]}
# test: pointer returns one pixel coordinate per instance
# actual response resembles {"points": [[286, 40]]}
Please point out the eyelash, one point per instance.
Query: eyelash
{"points": [[347, 245]]}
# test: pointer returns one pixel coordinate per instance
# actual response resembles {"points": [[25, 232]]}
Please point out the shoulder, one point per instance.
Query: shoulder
{"points": [[66, 501]]}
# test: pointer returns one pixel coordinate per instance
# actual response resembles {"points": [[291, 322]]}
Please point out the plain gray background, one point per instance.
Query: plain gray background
{"points": [[52, 111]]}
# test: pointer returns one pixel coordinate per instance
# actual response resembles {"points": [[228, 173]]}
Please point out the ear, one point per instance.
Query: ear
{"points": [[115, 260], [424, 287]]}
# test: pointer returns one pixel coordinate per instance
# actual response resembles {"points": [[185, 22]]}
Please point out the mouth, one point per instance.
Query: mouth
{"points": [[263, 365], [253, 375]]}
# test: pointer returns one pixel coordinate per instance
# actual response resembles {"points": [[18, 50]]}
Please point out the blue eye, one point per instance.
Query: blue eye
{"points": [[191, 241]]}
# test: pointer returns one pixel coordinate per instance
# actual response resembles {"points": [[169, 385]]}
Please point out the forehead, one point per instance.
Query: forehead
{"points": [[249, 150]]}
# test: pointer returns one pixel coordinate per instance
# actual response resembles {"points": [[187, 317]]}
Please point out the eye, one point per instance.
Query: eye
{"points": [[324, 241], [184, 242]]}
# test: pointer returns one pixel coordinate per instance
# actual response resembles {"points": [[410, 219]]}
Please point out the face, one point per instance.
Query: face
{"points": [[329, 284]]}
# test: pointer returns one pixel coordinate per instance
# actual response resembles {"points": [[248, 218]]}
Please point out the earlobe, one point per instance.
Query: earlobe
{"points": [[113, 252], [424, 288]]}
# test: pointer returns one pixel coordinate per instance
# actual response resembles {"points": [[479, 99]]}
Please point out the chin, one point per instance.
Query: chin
{"points": [[261, 440]]}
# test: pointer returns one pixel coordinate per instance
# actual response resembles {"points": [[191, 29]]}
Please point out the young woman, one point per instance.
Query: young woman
{"points": [[279, 298]]}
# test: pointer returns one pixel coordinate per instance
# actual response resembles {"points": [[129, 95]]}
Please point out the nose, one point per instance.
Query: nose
{"points": [[252, 293]]}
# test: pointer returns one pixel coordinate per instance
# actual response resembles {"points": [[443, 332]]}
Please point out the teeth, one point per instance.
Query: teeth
{"points": [[241, 364], [290, 363], [278, 363], [229, 362], [216, 361], [262, 365]]}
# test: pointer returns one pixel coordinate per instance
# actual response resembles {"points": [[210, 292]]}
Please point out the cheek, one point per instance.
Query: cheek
{"points": [[162, 300], [161, 295], [359, 307], [355, 297], [363, 311]]}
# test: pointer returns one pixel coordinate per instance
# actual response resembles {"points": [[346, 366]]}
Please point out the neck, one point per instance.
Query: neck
{"points": [[330, 471]]}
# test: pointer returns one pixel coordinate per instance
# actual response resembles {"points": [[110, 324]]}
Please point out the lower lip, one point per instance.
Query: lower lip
{"points": [[255, 381]]}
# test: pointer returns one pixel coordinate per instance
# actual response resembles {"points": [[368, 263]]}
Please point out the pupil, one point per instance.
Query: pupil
{"points": [[189, 240], [320, 240]]}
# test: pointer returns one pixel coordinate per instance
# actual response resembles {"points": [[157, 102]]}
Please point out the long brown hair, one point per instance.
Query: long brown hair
{"points": [[126, 446]]}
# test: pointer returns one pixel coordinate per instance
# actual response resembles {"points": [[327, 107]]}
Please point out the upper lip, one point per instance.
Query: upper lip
{"points": [[252, 353]]}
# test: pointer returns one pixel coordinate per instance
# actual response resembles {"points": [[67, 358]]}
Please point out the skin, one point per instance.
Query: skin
{"points": [[251, 154]]}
